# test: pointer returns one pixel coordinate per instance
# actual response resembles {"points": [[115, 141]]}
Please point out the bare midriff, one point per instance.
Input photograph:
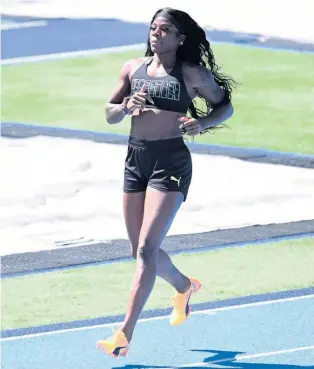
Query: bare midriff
{"points": [[155, 124]]}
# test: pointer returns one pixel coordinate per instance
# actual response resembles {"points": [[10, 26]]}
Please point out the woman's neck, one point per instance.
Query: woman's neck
{"points": [[166, 60]]}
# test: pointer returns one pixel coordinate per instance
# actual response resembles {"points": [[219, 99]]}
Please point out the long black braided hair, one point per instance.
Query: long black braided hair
{"points": [[196, 50]]}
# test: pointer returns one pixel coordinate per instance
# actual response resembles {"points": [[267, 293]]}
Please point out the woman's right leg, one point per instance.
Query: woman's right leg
{"points": [[133, 206]]}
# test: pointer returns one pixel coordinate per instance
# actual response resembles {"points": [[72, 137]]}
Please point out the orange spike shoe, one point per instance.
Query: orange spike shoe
{"points": [[114, 346], [181, 308]]}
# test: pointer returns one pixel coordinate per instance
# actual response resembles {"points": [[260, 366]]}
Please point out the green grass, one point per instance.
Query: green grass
{"points": [[103, 290], [273, 105]]}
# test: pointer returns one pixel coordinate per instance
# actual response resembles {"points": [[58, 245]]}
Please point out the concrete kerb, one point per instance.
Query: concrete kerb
{"points": [[20, 130]]}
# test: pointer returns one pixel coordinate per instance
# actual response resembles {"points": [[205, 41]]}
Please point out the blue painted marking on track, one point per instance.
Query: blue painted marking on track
{"points": [[202, 339]]}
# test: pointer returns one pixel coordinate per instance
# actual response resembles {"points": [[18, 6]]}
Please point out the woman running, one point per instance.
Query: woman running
{"points": [[175, 89]]}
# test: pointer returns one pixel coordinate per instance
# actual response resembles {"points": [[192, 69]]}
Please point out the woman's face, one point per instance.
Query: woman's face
{"points": [[163, 36]]}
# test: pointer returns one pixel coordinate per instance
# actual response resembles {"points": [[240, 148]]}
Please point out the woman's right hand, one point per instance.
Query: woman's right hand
{"points": [[138, 100]]}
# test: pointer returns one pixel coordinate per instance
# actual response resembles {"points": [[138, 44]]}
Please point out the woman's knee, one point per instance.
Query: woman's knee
{"points": [[147, 251]]}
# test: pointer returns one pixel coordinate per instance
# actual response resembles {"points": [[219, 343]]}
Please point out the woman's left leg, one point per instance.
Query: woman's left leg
{"points": [[159, 211]]}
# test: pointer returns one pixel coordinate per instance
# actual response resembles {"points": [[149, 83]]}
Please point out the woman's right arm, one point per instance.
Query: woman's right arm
{"points": [[113, 110]]}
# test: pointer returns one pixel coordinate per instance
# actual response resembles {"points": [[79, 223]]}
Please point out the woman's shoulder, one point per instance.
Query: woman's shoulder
{"points": [[189, 68], [136, 61], [195, 73], [133, 64]]}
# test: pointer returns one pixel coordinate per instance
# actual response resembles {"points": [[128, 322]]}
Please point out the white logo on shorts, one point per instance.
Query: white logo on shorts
{"points": [[172, 178]]}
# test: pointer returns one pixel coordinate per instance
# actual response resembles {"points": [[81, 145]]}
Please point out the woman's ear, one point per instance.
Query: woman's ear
{"points": [[182, 39]]}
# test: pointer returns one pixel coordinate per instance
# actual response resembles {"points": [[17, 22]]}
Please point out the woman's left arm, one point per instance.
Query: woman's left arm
{"points": [[202, 81]]}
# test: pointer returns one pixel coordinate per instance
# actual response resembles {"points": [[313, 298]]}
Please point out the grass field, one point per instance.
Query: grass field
{"points": [[103, 290], [273, 104]]}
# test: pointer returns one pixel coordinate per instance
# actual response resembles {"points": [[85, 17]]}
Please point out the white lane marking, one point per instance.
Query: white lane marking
{"points": [[208, 311], [71, 54], [7, 26]]}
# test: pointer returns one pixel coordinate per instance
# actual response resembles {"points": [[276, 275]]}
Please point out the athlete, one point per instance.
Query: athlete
{"points": [[175, 90]]}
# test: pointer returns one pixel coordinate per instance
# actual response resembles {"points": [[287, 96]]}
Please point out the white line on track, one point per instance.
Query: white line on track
{"points": [[208, 311], [8, 26], [72, 54]]}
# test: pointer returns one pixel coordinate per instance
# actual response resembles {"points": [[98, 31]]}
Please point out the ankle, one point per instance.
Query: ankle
{"points": [[128, 334], [186, 285]]}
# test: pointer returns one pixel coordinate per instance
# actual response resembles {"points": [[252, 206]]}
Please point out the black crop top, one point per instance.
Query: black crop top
{"points": [[168, 92]]}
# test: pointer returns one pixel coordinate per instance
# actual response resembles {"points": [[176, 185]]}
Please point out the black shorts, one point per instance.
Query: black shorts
{"points": [[165, 165]]}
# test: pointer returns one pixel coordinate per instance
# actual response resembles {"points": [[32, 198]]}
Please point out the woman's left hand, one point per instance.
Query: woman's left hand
{"points": [[190, 126]]}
